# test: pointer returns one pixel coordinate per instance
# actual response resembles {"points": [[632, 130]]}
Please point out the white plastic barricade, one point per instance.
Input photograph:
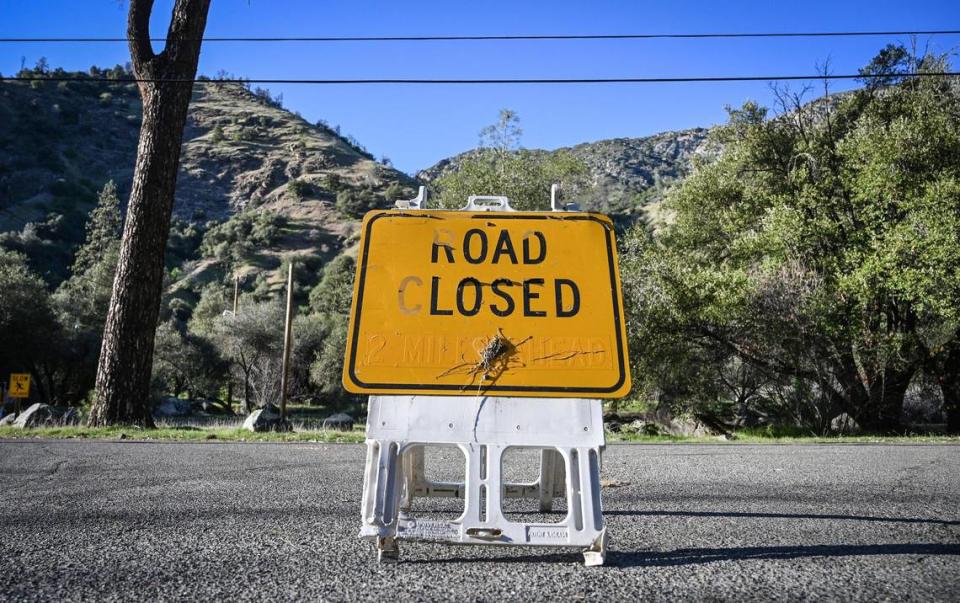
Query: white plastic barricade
{"points": [[569, 432]]}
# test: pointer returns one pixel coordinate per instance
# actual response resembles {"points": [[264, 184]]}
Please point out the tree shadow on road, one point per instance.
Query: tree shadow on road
{"points": [[759, 553], [739, 514], [701, 556]]}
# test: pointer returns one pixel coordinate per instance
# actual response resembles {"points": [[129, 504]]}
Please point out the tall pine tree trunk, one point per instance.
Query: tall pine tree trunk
{"points": [[126, 356]]}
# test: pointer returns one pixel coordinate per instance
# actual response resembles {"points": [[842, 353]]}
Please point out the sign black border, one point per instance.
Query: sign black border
{"points": [[448, 388]]}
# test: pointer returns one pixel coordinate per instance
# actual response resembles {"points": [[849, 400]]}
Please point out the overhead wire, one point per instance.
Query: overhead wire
{"points": [[480, 81], [487, 81], [507, 37]]}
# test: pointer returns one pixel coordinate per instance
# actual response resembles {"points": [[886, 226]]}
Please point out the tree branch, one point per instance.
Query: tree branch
{"points": [[138, 32], [186, 29]]}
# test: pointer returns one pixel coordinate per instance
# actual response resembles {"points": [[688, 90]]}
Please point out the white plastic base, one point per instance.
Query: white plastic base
{"points": [[569, 431]]}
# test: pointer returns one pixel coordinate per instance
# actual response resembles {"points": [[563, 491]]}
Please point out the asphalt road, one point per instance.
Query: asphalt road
{"points": [[128, 520]]}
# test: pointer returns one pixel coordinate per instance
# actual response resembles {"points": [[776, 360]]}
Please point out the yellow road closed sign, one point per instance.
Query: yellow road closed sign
{"points": [[504, 303], [20, 385]]}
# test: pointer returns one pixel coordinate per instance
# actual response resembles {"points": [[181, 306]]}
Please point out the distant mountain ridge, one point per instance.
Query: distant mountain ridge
{"points": [[623, 174]]}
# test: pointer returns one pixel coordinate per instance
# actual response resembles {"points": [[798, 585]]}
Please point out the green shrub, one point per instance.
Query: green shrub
{"points": [[396, 191], [355, 203], [299, 189], [332, 182], [242, 235]]}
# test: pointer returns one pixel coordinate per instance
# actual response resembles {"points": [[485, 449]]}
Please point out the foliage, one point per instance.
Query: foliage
{"points": [[216, 134], [396, 191], [186, 363], [330, 302], [252, 341], [504, 135], [209, 308], [334, 293], [27, 320], [264, 96], [84, 297], [299, 189], [333, 182], [311, 334], [355, 203], [183, 242], [49, 243], [242, 236], [307, 272], [326, 372], [354, 144], [102, 232], [501, 167], [821, 251], [81, 303]]}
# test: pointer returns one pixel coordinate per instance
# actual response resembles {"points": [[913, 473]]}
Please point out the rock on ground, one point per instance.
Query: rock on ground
{"points": [[44, 415], [341, 421], [844, 424], [266, 419]]}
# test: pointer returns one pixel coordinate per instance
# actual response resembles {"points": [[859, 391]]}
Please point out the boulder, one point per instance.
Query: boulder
{"points": [[844, 424], [35, 416], [44, 415], [266, 419], [173, 407], [340, 421], [688, 427], [8, 420]]}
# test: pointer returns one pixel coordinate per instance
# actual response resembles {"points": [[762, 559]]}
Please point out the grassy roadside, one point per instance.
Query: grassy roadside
{"points": [[752, 438], [185, 434], [223, 434]]}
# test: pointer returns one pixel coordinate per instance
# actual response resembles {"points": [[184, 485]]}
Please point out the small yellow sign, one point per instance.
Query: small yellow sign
{"points": [[501, 303], [20, 385]]}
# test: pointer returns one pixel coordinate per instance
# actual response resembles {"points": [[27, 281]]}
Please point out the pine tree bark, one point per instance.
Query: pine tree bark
{"points": [[165, 83]]}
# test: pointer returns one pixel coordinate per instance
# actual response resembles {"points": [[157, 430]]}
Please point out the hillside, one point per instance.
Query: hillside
{"points": [[624, 174], [59, 142], [244, 158]]}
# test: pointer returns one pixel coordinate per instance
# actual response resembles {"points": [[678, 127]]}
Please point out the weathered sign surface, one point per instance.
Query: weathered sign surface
{"points": [[507, 303]]}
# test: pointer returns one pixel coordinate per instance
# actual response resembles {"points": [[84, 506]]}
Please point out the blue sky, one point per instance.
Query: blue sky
{"points": [[416, 125]]}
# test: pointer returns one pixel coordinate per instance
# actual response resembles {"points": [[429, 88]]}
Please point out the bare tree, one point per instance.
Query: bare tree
{"points": [[165, 82], [253, 343]]}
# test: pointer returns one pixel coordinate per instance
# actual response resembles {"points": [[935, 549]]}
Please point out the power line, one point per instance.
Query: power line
{"points": [[530, 37], [482, 81]]}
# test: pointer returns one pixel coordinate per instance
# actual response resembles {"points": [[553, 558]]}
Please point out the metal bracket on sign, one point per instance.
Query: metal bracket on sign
{"points": [[418, 202], [556, 205], [487, 203]]}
